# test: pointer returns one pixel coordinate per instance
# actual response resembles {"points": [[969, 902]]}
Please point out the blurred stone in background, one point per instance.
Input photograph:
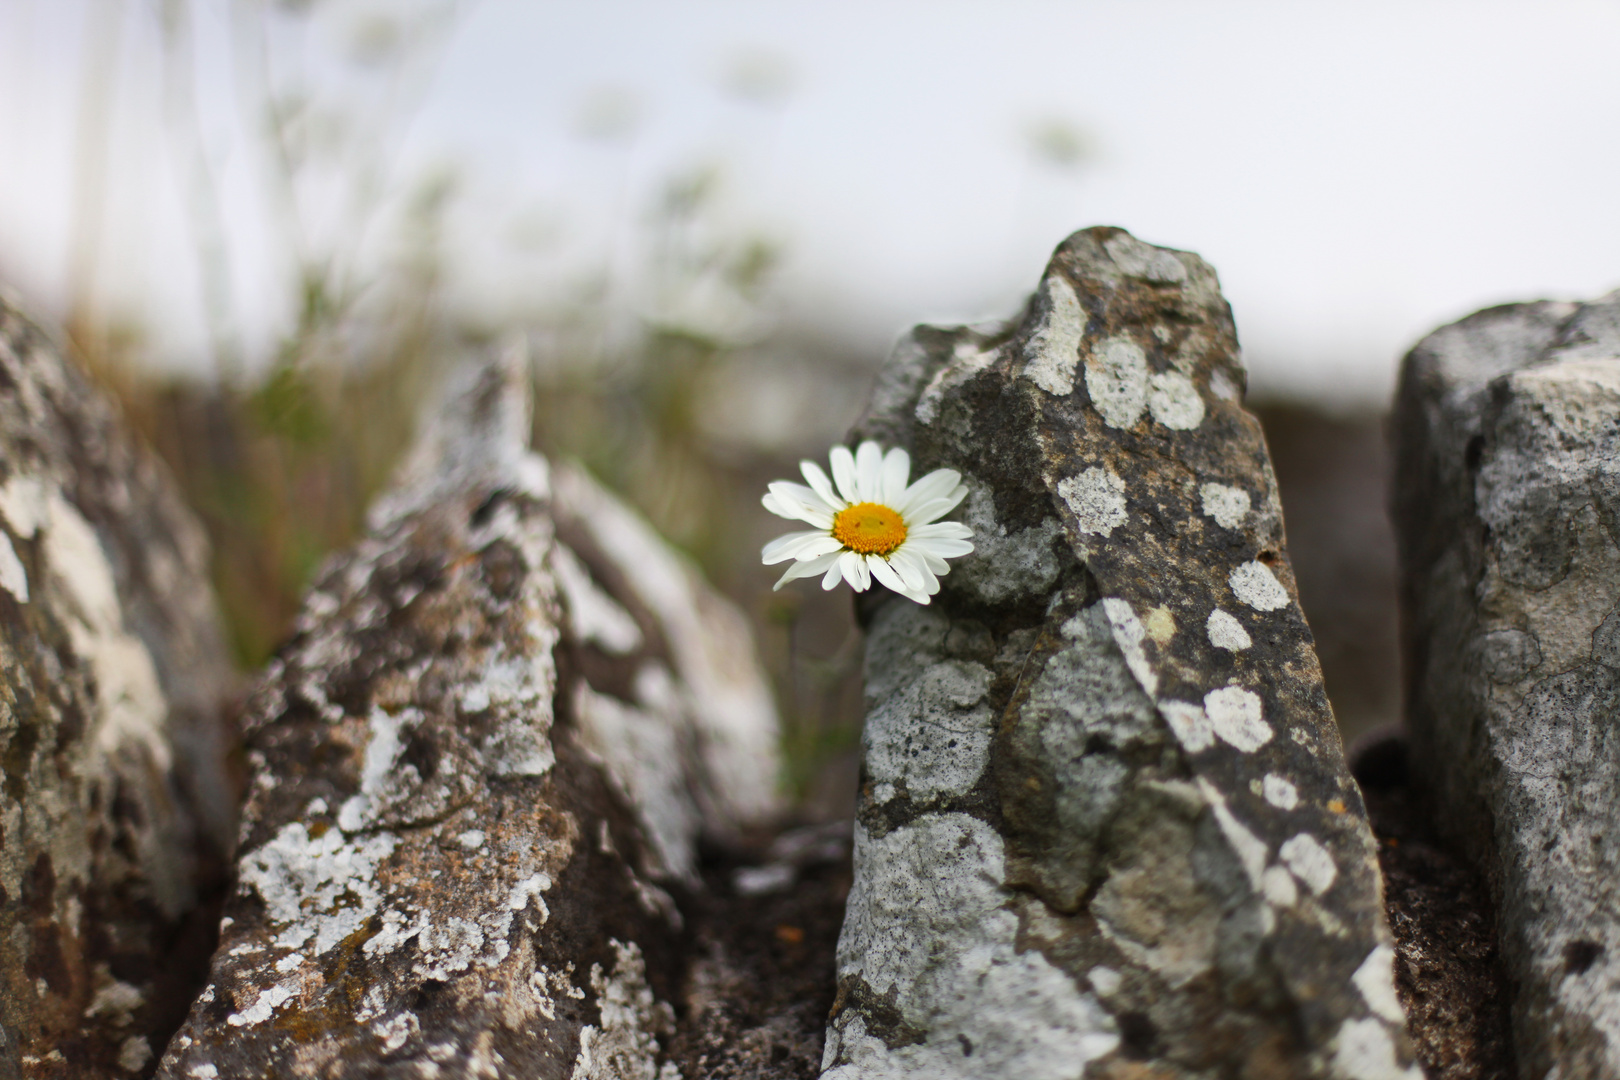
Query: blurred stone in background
{"points": [[1333, 471]]}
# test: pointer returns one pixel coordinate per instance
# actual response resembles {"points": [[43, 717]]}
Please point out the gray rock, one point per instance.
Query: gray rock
{"points": [[1508, 448], [115, 818], [479, 772], [1105, 825]]}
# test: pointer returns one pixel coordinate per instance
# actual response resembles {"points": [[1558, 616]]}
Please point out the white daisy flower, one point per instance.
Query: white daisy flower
{"points": [[872, 525]]}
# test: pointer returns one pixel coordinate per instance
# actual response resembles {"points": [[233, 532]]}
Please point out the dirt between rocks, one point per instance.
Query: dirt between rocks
{"points": [[1448, 971], [761, 979]]}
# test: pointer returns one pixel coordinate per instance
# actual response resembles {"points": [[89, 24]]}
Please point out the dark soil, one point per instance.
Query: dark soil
{"points": [[1448, 972], [761, 979]]}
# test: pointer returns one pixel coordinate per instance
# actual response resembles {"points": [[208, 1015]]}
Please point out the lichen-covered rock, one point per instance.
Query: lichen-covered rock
{"points": [[480, 769], [1508, 453], [1105, 824], [115, 816]]}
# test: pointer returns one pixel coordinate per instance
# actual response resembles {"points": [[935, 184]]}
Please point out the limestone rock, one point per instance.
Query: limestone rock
{"points": [[115, 817], [480, 769], [1508, 452], [1105, 823]]}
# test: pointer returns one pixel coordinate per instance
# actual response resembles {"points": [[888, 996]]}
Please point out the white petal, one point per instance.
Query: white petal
{"points": [[944, 547], [896, 471], [834, 574], [910, 567], [947, 530], [869, 471], [935, 563], [807, 568], [933, 509], [879, 567], [799, 545], [843, 467], [911, 591], [936, 485], [854, 570], [822, 486], [797, 502]]}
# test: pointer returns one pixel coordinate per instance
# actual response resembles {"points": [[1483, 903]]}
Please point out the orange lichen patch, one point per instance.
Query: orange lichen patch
{"points": [[869, 528], [1336, 805]]}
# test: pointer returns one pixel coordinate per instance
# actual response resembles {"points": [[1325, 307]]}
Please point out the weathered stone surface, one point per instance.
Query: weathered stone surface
{"points": [[480, 770], [115, 818], [1105, 825], [1508, 438]]}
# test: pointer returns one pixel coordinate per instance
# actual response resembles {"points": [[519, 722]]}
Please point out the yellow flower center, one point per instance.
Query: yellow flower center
{"points": [[869, 528]]}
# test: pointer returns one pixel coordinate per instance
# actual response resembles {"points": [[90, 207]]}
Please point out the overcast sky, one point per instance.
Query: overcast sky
{"points": [[1357, 172]]}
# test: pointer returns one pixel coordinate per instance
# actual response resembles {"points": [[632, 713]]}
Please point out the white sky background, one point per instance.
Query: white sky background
{"points": [[1357, 172]]}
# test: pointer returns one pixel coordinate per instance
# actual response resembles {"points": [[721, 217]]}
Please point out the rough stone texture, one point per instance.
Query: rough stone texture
{"points": [[480, 770], [1105, 825], [1507, 437], [114, 814]]}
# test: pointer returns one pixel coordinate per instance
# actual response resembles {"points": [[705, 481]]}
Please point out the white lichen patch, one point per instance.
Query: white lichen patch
{"points": [[264, 1006], [1235, 715], [1097, 499], [624, 1046], [117, 1001], [133, 1054], [1255, 585], [1249, 848], [1190, 725], [397, 1030], [1128, 635], [1375, 978], [934, 734], [131, 709], [928, 925], [1105, 980], [1229, 506], [1277, 886], [13, 578], [1175, 402], [1222, 386], [1279, 792], [322, 887], [1053, 351], [1309, 861], [23, 503], [530, 890], [593, 615], [517, 690], [1225, 632], [1117, 380], [547, 986], [1364, 1050], [1142, 260], [377, 773]]}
